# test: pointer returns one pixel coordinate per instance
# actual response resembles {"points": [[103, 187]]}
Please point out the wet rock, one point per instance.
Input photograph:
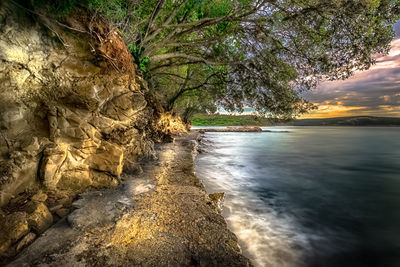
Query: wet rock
{"points": [[218, 200], [95, 210], [40, 217], [234, 129], [25, 241]]}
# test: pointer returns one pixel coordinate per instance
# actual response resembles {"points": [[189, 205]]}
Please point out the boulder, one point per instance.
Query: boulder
{"points": [[75, 178], [234, 129], [39, 197], [108, 158], [39, 217]]}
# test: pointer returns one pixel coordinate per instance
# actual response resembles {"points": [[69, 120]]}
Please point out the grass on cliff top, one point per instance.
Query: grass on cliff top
{"points": [[229, 120]]}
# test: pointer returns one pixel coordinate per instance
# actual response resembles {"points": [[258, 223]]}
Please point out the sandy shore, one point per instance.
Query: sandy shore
{"points": [[161, 217]]}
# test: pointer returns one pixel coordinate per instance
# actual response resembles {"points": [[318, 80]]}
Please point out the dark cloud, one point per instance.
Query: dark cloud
{"points": [[396, 28]]}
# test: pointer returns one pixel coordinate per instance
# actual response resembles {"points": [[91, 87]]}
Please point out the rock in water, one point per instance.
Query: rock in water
{"points": [[234, 129], [218, 200]]}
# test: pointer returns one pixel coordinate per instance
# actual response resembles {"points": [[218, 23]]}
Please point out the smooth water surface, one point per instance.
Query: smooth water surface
{"points": [[315, 196]]}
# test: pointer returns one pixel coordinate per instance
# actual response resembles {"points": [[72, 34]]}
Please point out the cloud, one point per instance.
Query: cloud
{"points": [[372, 92]]}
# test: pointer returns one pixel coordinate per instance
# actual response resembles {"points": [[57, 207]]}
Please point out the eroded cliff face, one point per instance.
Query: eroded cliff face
{"points": [[73, 115]]}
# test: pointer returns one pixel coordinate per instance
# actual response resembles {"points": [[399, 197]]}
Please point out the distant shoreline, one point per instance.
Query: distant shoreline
{"points": [[346, 121], [252, 120]]}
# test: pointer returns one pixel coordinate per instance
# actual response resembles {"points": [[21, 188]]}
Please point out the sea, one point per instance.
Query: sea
{"points": [[309, 196]]}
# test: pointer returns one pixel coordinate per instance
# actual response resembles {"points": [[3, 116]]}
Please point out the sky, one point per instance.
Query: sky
{"points": [[374, 92]]}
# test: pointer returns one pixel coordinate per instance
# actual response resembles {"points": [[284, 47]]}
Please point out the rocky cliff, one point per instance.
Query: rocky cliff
{"points": [[73, 115]]}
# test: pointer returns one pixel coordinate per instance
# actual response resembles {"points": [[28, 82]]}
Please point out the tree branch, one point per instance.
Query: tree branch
{"points": [[154, 15], [184, 56], [165, 23], [184, 90]]}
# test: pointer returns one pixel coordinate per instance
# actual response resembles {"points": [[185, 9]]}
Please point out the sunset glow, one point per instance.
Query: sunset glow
{"points": [[375, 92]]}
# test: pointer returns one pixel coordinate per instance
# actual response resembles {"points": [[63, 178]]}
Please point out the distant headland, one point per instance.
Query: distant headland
{"points": [[346, 121]]}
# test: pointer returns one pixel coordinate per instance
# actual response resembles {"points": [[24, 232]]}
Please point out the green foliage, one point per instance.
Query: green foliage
{"points": [[111, 9], [229, 120], [144, 63], [213, 8], [60, 7], [200, 54], [137, 52]]}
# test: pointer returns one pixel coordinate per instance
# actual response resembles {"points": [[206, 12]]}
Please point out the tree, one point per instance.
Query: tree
{"points": [[260, 53]]}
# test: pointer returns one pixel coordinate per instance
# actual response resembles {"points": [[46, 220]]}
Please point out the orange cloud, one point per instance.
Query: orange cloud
{"points": [[327, 111]]}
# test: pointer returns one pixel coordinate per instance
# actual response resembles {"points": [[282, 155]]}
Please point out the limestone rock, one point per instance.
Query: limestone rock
{"points": [[40, 217], [218, 200], [54, 157], [15, 226], [102, 179], [25, 241], [5, 243], [87, 214], [76, 178], [19, 173], [33, 147], [108, 158], [62, 212], [39, 197]]}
